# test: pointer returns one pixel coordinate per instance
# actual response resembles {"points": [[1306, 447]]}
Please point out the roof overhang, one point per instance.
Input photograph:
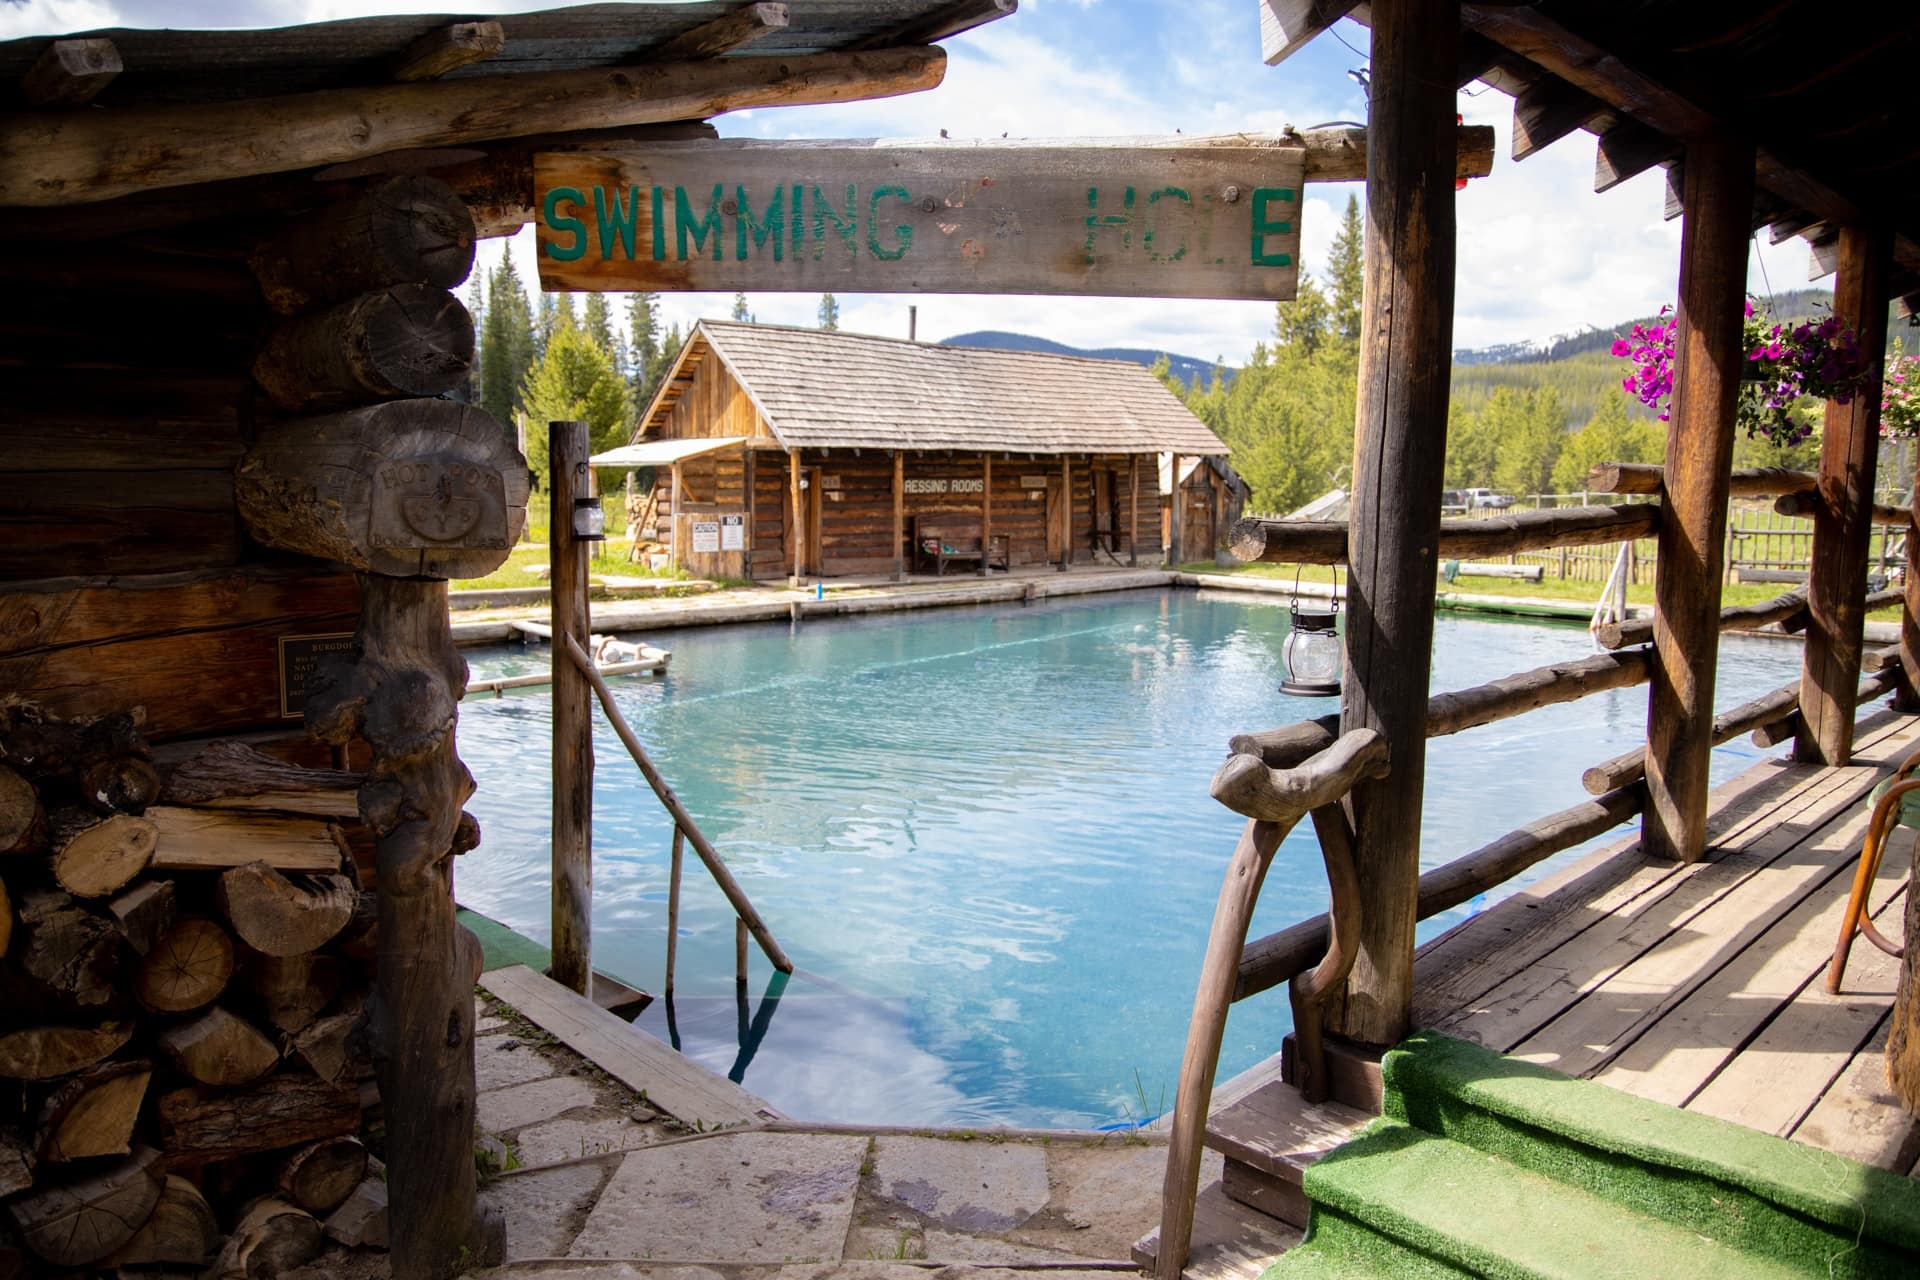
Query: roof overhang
{"points": [[664, 453]]}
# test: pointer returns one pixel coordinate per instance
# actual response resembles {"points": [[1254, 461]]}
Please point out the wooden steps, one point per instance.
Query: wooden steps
{"points": [[670, 1081], [1270, 1138], [1230, 1240]]}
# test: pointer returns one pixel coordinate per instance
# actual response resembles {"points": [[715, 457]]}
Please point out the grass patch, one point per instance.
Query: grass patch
{"points": [[610, 562]]}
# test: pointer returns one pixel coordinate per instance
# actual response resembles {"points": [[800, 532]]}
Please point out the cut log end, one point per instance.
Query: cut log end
{"points": [[82, 1222], [94, 1113], [319, 1177], [181, 1230], [218, 1048], [46, 1053], [278, 915], [95, 858], [23, 823], [187, 968]]}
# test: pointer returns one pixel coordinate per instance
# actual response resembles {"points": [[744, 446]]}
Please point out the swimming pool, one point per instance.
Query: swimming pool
{"points": [[984, 836]]}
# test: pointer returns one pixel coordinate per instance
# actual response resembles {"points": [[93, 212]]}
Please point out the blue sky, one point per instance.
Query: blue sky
{"points": [[1539, 253]]}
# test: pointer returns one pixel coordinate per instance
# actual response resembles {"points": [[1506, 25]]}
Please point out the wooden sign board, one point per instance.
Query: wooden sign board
{"points": [[1157, 218]]}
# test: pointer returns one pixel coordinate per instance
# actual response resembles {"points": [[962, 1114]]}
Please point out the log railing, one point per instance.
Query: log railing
{"points": [[1277, 776], [1273, 800], [748, 920]]}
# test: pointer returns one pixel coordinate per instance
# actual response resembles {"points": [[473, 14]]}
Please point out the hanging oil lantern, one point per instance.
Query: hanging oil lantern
{"points": [[1313, 653]]}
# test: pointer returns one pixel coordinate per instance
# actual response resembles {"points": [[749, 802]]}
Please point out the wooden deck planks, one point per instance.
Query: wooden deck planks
{"points": [[1471, 959], [1673, 1059], [1778, 1077], [1859, 1117], [676, 1084], [1612, 1013], [1610, 935], [1230, 1240]]}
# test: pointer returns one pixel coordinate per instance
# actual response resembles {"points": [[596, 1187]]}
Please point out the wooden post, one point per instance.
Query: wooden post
{"points": [[740, 951], [1686, 629], [799, 518], [673, 518], [900, 556], [401, 692], [1173, 511], [1066, 499], [1843, 520], [1133, 509], [1400, 447], [572, 893], [986, 512], [673, 901]]}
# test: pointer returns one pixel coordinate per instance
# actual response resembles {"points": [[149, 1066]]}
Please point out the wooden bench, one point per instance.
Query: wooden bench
{"points": [[940, 540]]}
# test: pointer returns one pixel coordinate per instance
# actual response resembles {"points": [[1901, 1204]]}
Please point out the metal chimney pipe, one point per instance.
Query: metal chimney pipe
{"points": [[913, 323]]}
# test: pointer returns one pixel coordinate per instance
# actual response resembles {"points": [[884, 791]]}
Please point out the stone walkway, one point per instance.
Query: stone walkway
{"points": [[595, 1182]]}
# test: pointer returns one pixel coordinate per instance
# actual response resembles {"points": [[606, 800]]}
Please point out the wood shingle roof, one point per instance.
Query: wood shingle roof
{"points": [[820, 389]]}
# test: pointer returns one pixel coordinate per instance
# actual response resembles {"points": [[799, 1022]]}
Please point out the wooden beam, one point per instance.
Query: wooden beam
{"points": [[1548, 110], [1628, 150], [1066, 498], [1675, 202], [943, 24], [1823, 256], [1908, 695], [1843, 518], [1692, 539], [901, 556], [90, 156], [1808, 504], [569, 477], [456, 45], [1339, 153], [1326, 541], [1735, 617], [1133, 509], [1399, 453], [1787, 226], [70, 73], [1287, 25], [986, 512], [799, 517], [1478, 56], [1749, 482], [729, 31]]}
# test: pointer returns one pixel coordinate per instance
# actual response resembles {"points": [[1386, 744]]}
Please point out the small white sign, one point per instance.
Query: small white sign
{"points": [[733, 533], [706, 535], [1033, 482]]}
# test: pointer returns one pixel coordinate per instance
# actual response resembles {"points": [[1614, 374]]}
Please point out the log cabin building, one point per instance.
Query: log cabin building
{"points": [[789, 452]]}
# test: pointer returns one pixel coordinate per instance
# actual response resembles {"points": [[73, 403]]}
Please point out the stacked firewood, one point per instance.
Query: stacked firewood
{"points": [[188, 948]]}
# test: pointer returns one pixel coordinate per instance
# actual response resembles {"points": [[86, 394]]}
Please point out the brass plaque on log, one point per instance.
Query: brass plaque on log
{"points": [[1149, 218], [431, 503], [300, 656]]}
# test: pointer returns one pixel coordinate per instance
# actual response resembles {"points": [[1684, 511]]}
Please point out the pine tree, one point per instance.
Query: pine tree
{"points": [[1303, 324], [663, 359], [740, 311], [597, 319], [574, 380], [643, 344], [829, 312], [1346, 272], [476, 311], [506, 341]]}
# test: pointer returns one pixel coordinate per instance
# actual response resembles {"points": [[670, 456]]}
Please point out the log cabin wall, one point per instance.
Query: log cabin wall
{"points": [[126, 580], [709, 403]]}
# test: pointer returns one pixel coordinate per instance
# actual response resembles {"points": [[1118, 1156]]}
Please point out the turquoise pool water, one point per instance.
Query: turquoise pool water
{"points": [[984, 836]]}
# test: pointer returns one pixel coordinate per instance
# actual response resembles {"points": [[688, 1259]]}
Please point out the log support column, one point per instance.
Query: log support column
{"points": [[1173, 511], [901, 557], [1692, 542], [572, 891], [1399, 452], [1133, 509], [986, 512], [799, 519], [1066, 501], [1843, 520], [1907, 692]]}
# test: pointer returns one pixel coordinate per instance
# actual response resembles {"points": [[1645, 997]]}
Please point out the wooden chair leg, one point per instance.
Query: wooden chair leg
{"points": [[1885, 813]]}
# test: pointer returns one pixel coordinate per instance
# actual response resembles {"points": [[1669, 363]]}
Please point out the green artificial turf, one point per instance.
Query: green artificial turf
{"points": [[1487, 1166], [501, 947]]}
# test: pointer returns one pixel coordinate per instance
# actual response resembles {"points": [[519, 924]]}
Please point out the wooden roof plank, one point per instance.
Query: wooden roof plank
{"points": [[449, 48], [1548, 110], [729, 31], [942, 24], [1628, 150], [48, 159], [70, 73], [1287, 25]]}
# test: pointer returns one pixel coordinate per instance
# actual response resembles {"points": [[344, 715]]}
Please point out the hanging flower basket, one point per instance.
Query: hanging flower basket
{"points": [[1900, 397], [1784, 364]]}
